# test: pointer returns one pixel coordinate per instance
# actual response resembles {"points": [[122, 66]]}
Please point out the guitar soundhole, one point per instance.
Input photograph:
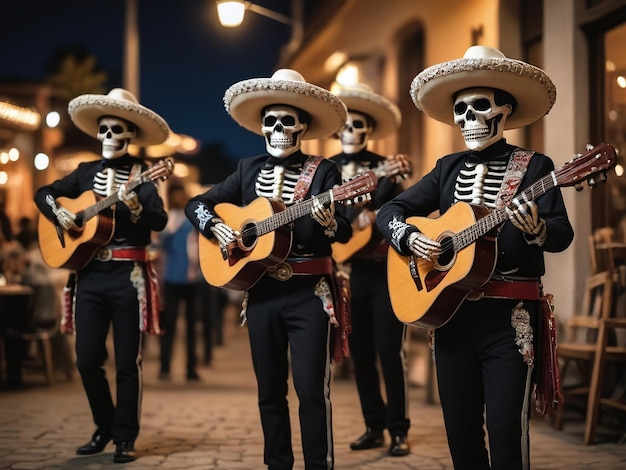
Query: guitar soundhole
{"points": [[249, 237], [446, 259]]}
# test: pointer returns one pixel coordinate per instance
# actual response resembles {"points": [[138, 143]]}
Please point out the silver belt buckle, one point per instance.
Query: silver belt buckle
{"points": [[281, 272], [104, 254]]}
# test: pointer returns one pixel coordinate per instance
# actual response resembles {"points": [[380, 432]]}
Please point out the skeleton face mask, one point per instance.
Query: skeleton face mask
{"points": [[355, 133], [282, 130], [115, 135], [481, 120]]}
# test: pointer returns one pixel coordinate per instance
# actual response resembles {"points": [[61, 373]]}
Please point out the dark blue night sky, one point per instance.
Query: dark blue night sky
{"points": [[187, 62]]}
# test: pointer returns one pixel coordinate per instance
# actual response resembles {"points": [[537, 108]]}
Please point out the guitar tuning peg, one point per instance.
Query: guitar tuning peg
{"points": [[603, 176], [592, 182], [588, 147], [578, 187]]}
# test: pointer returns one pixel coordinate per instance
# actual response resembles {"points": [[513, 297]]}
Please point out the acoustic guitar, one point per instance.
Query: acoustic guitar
{"points": [[362, 237], [73, 249], [263, 236], [427, 293]]}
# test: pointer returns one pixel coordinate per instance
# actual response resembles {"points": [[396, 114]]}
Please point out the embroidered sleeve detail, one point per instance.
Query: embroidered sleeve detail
{"points": [[203, 215], [398, 230]]}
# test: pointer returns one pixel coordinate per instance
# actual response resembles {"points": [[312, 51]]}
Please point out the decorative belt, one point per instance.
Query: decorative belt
{"points": [[122, 254], [523, 290], [301, 266]]}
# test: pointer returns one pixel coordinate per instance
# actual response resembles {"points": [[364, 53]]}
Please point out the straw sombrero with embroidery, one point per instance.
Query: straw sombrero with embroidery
{"points": [[361, 98], [245, 100], [433, 89], [86, 110]]}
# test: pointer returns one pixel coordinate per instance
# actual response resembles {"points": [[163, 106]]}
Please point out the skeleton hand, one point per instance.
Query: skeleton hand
{"points": [[423, 246], [325, 216], [67, 220], [525, 216], [131, 200], [397, 166], [365, 218], [224, 236]]}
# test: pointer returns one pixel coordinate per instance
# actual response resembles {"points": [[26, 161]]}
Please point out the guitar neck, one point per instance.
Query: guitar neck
{"points": [[469, 235], [290, 214], [108, 201]]}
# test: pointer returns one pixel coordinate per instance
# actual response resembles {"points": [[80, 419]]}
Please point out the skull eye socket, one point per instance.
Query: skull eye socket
{"points": [[460, 107], [288, 121], [269, 121], [116, 129], [358, 124], [482, 104]]}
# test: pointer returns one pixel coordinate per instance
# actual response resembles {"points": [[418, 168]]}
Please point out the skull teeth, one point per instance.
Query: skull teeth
{"points": [[281, 144], [474, 134]]}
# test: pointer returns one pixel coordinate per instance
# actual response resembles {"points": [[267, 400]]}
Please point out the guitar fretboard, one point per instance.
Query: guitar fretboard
{"points": [[290, 214], [108, 201]]}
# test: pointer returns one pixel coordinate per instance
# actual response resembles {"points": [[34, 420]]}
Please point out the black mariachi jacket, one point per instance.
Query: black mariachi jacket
{"points": [[153, 215], [435, 192], [386, 189], [309, 239]]}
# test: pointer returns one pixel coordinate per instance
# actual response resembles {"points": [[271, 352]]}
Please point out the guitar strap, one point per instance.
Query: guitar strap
{"points": [[546, 393], [306, 177], [339, 309], [518, 164]]}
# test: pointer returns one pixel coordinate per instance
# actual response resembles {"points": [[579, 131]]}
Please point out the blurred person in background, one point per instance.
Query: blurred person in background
{"points": [[26, 234], [182, 280], [6, 228]]}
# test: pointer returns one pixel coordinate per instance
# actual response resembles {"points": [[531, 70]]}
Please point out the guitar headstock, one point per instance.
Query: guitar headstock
{"points": [[161, 170], [597, 161], [361, 184]]}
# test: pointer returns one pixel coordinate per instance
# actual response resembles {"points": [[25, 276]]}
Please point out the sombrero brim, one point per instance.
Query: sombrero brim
{"points": [[386, 115], [245, 100], [86, 110], [433, 89]]}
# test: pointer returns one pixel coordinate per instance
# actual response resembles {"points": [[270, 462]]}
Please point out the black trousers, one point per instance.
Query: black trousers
{"points": [[176, 295], [378, 335], [481, 374], [286, 321], [105, 297]]}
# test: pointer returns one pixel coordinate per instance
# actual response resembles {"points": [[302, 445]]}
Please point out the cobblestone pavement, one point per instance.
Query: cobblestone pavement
{"points": [[214, 424]]}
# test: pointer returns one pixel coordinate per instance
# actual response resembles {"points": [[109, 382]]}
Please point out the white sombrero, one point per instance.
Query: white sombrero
{"points": [[361, 98], [245, 100], [86, 110], [433, 89]]}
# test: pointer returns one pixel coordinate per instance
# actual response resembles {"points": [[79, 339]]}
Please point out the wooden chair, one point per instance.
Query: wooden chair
{"points": [[587, 347], [43, 339]]}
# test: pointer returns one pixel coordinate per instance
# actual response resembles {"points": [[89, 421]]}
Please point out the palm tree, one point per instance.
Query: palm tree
{"points": [[73, 71]]}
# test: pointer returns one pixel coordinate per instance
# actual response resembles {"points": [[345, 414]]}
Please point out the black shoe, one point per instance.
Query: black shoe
{"points": [[164, 376], [399, 446], [97, 444], [124, 452], [369, 440], [193, 376]]}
